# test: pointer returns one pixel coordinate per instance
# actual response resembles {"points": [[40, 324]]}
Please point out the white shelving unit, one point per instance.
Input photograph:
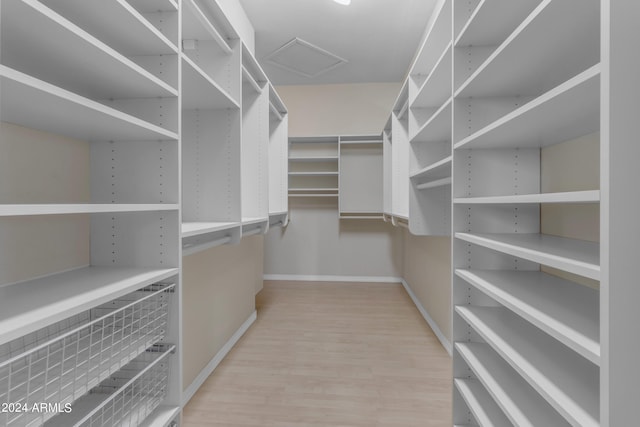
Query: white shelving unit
{"points": [[211, 129], [530, 340], [278, 160], [360, 177], [89, 211], [398, 148], [255, 146], [128, 147], [429, 147], [313, 166]]}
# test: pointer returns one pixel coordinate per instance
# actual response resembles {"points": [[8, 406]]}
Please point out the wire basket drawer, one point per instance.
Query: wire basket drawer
{"points": [[58, 364], [126, 398]]}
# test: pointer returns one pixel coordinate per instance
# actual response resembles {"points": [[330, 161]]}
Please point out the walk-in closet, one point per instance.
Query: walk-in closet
{"points": [[319, 213]]}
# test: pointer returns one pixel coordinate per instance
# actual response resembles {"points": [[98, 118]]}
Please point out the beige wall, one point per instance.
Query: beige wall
{"points": [[218, 295], [55, 170], [427, 271], [339, 109], [316, 242]]}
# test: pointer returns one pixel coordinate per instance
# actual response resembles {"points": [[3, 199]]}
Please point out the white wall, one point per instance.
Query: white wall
{"points": [[316, 242]]}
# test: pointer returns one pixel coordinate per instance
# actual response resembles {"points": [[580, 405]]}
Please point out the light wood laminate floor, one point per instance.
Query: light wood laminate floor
{"points": [[330, 354]]}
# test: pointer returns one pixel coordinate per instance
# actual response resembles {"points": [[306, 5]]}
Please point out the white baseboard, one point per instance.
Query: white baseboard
{"points": [[213, 364], [328, 278], [434, 326]]}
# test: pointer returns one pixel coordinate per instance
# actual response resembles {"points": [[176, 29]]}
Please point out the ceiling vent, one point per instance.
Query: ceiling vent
{"points": [[304, 58]]}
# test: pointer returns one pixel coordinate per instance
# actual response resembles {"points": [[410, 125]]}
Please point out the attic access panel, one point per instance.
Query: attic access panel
{"points": [[303, 58]]}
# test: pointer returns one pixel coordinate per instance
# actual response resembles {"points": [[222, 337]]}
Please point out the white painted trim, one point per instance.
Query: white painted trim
{"points": [[328, 278], [220, 355], [434, 326]]}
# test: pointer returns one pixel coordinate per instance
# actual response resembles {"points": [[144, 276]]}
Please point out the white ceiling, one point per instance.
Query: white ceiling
{"points": [[378, 38]]}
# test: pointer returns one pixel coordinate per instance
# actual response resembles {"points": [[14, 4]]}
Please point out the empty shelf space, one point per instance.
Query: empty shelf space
{"points": [[318, 173], [436, 87], [484, 409], [519, 401], [197, 26], [574, 256], [314, 194], [589, 196], [314, 159], [275, 102], [569, 382], [437, 170], [67, 56], [507, 72], [563, 113], [437, 127], [190, 229], [274, 110], [34, 103], [565, 310], [134, 35], [82, 208], [28, 306], [200, 91], [483, 29]]}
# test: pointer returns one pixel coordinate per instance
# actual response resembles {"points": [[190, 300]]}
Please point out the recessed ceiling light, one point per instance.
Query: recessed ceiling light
{"points": [[343, 2]]}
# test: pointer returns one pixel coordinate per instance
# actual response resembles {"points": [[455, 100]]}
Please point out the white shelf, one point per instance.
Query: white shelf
{"points": [[434, 184], [522, 404], [318, 173], [507, 72], [161, 416], [247, 77], [34, 103], [64, 209], [313, 195], [252, 71], [134, 35], [314, 159], [437, 170], [563, 113], [28, 306], [437, 85], [565, 310], [574, 256], [252, 221], [149, 6], [190, 229], [437, 128], [483, 29], [482, 406], [67, 56], [313, 189], [199, 91], [197, 26], [589, 196], [566, 380]]}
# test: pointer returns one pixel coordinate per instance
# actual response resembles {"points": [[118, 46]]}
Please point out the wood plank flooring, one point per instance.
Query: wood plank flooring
{"points": [[330, 354]]}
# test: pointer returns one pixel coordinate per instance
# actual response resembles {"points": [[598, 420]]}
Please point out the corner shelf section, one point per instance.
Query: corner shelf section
{"points": [[313, 166], [567, 381]]}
